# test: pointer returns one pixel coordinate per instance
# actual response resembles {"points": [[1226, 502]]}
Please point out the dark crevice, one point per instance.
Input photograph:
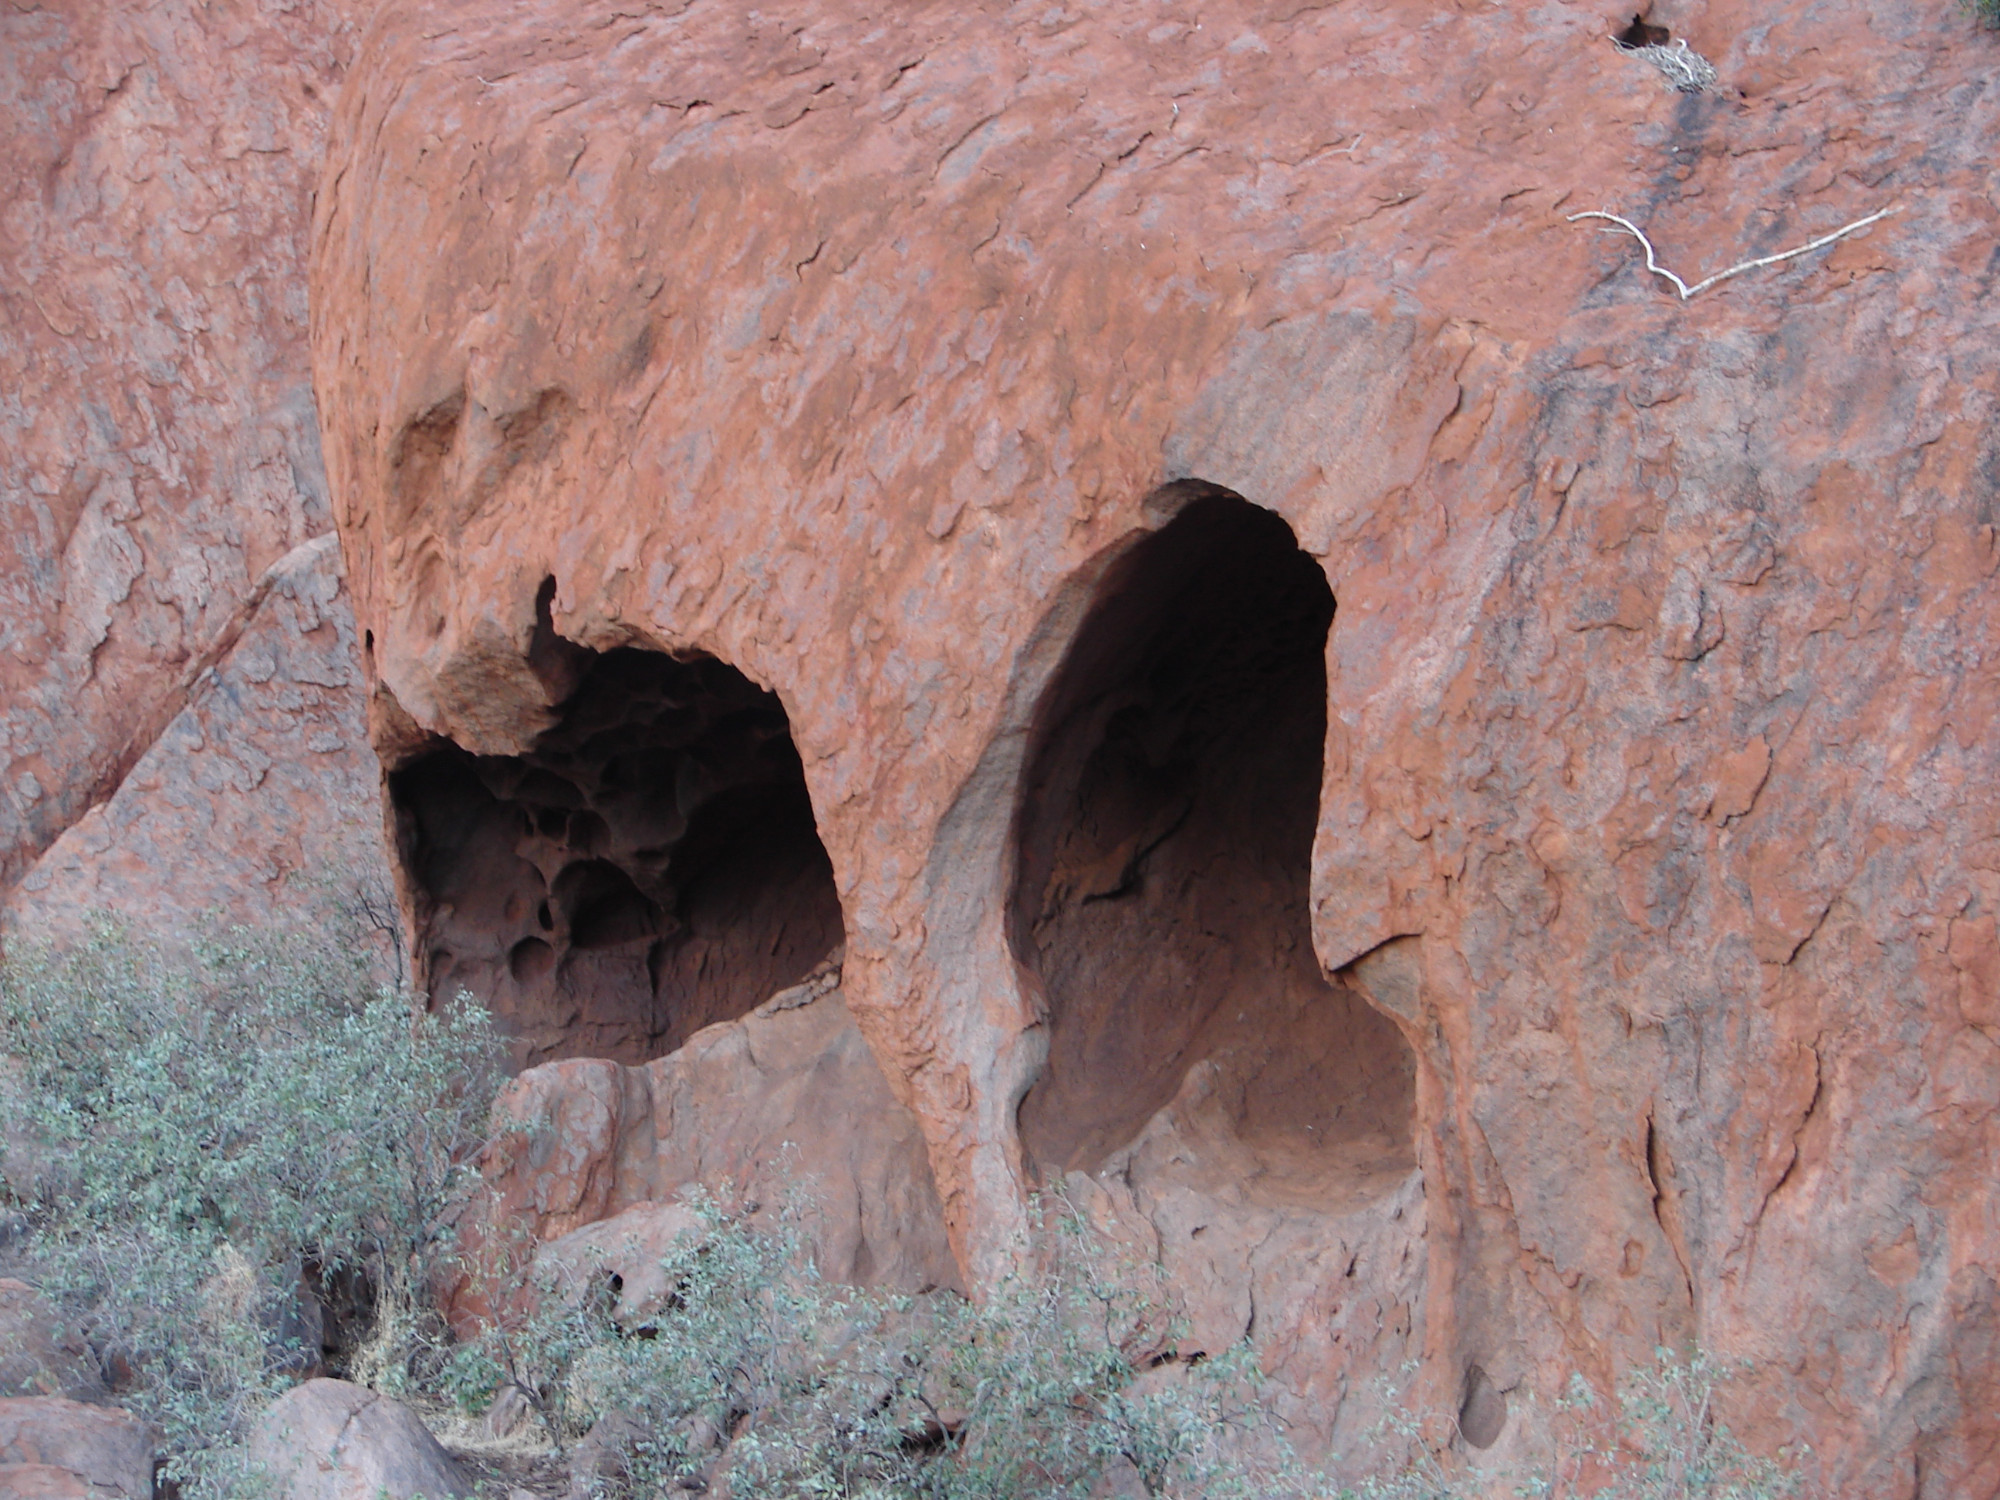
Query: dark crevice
{"points": [[650, 867], [1666, 1204], [1165, 843], [1642, 33]]}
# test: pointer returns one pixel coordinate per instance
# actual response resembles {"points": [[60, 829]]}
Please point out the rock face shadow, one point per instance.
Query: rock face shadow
{"points": [[1164, 859], [650, 867]]}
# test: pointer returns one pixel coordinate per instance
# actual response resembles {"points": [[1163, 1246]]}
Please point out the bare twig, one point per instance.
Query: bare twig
{"points": [[1686, 291]]}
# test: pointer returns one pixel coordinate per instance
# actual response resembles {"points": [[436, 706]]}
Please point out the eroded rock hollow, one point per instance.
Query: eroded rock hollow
{"points": [[1162, 895], [648, 867], [1656, 795]]}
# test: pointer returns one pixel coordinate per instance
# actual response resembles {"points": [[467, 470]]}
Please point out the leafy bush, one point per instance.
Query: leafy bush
{"points": [[1674, 1447], [1666, 1443], [208, 1140], [206, 1145], [1054, 1381]]}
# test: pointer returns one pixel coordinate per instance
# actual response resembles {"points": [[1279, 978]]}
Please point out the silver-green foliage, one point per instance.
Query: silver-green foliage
{"points": [[1664, 1442], [1054, 1380], [204, 1132], [1674, 1446]]}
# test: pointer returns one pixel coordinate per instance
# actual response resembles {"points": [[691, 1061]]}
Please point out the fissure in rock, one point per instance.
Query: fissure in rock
{"points": [[650, 867], [1164, 856]]}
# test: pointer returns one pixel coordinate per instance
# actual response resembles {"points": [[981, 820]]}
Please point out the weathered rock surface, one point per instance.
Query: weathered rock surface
{"points": [[110, 1452], [260, 795], [329, 1440], [1657, 810], [159, 461], [48, 1482]]}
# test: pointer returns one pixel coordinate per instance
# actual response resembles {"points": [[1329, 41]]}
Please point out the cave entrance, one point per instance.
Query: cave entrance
{"points": [[649, 868], [1164, 864]]}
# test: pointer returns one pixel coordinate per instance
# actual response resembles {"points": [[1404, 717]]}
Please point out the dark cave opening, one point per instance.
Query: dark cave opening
{"points": [[649, 868], [1165, 840]]}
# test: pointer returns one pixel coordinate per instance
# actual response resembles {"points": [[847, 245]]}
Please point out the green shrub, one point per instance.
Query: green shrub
{"points": [[207, 1139], [1056, 1378], [1664, 1443], [1987, 12], [203, 1143], [1673, 1446]]}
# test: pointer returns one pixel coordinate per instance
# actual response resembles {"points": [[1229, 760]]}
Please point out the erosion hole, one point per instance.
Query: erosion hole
{"points": [[1482, 1413], [650, 867], [1164, 859], [1642, 33]]}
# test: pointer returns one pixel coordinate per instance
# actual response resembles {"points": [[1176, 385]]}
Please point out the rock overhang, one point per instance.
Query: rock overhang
{"points": [[853, 351]]}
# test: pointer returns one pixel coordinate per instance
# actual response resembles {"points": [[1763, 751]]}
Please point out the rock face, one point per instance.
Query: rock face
{"points": [[257, 796], [178, 683], [1650, 900], [102, 1451]]}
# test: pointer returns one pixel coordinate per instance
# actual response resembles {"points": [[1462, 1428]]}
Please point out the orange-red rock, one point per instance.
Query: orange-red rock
{"points": [[160, 466], [108, 1451], [1658, 806], [257, 798], [785, 1102]]}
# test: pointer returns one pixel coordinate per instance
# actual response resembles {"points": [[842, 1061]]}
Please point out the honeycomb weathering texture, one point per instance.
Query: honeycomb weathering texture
{"points": [[1658, 808], [648, 867], [1166, 831], [854, 346]]}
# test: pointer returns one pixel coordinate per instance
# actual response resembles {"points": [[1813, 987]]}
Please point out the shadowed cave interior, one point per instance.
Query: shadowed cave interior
{"points": [[649, 868], [1165, 844]]}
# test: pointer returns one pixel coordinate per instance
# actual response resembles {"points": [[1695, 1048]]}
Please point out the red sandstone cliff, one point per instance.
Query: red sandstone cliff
{"points": [[1626, 970], [178, 724], [1658, 807]]}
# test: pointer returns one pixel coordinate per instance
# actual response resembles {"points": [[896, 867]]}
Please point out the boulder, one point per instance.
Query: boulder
{"points": [[629, 1250], [593, 1155], [110, 1451], [602, 1461], [330, 1440]]}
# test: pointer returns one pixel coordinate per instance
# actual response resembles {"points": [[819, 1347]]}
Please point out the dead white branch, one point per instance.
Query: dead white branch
{"points": [[1686, 291], [1682, 67]]}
